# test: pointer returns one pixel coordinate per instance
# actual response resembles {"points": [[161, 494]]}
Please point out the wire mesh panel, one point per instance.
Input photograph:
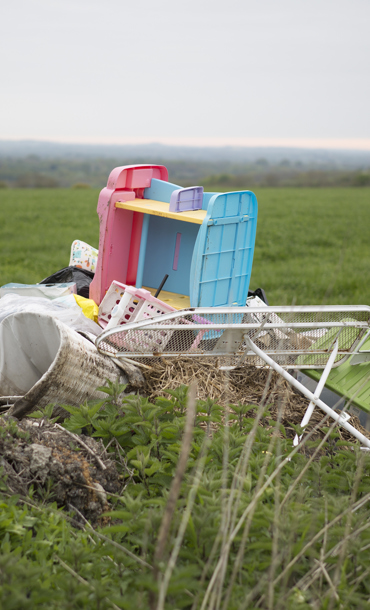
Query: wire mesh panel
{"points": [[295, 337]]}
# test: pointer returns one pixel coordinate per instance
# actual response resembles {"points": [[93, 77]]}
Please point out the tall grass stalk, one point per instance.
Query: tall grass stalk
{"points": [[318, 536], [237, 484], [249, 511], [240, 554], [179, 475], [183, 525], [348, 526]]}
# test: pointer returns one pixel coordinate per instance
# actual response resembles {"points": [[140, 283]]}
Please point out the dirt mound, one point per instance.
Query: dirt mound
{"points": [[57, 465]]}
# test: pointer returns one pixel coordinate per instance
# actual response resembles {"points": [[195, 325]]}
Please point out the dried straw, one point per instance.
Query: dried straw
{"points": [[245, 385]]}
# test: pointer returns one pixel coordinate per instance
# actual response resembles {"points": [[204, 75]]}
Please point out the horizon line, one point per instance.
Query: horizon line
{"points": [[354, 144]]}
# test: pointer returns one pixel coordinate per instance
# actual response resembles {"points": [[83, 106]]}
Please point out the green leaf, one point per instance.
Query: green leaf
{"points": [[115, 529], [137, 463], [155, 467], [124, 515]]}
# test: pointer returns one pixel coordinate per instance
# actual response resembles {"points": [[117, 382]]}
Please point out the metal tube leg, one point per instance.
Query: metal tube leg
{"points": [[319, 389], [337, 417]]}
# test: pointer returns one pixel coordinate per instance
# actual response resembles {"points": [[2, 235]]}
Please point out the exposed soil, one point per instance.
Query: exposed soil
{"points": [[37, 453]]}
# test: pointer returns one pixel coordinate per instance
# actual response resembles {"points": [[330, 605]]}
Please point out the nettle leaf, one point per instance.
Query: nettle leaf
{"points": [[139, 438], [29, 521], [171, 456], [71, 410], [155, 467], [120, 427], [167, 406], [113, 388], [152, 412], [133, 453], [297, 428], [169, 432], [17, 529], [155, 502], [105, 390], [93, 408], [46, 412], [102, 424], [131, 420], [202, 418], [162, 479], [75, 423], [137, 463], [144, 424]]}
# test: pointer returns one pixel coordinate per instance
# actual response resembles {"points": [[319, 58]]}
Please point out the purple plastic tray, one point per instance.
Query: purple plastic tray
{"points": [[183, 200]]}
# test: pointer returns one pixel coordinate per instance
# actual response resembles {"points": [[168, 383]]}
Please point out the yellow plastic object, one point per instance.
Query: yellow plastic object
{"points": [[178, 301], [160, 208], [88, 306]]}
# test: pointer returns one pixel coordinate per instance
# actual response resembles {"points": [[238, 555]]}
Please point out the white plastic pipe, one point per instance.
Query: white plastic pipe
{"points": [[337, 417], [319, 389]]}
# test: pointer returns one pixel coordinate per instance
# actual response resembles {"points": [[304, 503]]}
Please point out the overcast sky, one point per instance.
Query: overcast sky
{"points": [[196, 71]]}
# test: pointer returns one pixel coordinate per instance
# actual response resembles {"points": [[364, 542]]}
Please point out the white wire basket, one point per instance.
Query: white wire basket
{"points": [[294, 337]]}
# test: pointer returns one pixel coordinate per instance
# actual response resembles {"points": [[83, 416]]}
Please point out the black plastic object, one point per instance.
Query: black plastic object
{"points": [[259, 292], [161, 285], [82, 277]]}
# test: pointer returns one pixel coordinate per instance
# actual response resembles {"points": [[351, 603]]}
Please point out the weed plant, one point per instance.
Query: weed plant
{"points": [[216, 512]]}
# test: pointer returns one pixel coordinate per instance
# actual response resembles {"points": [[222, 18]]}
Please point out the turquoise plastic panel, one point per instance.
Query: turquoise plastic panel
{"points": [[223, 253], [161, 251], [160, 190], [206, 199]]}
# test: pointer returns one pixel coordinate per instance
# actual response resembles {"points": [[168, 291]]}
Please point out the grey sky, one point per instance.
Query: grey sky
{"points": [[196, 70]]}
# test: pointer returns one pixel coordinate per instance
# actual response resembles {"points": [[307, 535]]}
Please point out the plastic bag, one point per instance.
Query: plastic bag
{"points": [[82, 277], [49, 291], [63, 308], [260, 293], [88, 306]]}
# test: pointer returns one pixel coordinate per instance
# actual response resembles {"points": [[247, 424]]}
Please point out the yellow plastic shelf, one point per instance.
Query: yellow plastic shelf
{"points": [[178, 301], [160, 208]]}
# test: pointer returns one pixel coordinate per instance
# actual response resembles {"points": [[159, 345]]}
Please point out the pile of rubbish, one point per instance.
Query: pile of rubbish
{"points": [[49, 356]]}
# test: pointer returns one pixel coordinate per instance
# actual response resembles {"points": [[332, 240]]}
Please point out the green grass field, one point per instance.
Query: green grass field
{"points": [[312, 245]]}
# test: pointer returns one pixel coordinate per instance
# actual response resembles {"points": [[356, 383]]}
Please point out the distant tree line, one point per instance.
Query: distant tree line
{"points": [[37, 172]]}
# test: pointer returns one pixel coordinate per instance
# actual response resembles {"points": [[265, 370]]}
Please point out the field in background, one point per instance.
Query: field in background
{"points": [[312, 245]]}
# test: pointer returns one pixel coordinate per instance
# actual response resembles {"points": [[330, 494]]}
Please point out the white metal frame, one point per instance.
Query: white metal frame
{"points": [[338, 417], [170, 325], [168, 322]]}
